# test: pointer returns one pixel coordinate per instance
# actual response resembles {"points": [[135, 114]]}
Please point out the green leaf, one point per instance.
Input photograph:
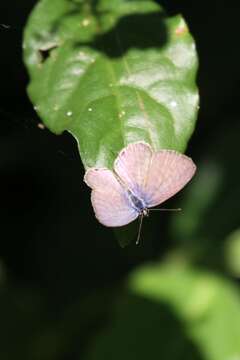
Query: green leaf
{"points": [[175, 312], [112, 73]]}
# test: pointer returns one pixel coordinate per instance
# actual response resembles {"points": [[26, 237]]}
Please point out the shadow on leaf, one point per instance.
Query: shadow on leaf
{"points": [[138, 31]]}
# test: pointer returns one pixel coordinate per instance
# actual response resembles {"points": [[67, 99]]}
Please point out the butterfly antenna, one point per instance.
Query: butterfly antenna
{"points": [[139, 229], [163, 209]]}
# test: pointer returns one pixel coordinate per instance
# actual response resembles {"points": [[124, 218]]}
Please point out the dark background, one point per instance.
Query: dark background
{"points": [[53, 253]]}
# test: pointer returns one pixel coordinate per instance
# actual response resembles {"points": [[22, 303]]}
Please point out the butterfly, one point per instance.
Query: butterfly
{"points": [[141, 178]]}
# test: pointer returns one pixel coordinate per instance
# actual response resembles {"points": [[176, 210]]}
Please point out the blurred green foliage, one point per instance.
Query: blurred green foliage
{"points": [[68, 292], [173, 311]]}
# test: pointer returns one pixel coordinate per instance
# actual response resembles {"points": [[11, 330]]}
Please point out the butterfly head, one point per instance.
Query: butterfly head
{"points": [[145, 212]]}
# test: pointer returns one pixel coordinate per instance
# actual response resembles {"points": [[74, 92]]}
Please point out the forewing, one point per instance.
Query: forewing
{"points": [[132, 166], [109, 199], [169, 172]]}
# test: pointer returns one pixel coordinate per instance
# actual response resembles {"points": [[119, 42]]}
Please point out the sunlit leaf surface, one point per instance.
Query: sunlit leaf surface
{"points": [[112, 73]]}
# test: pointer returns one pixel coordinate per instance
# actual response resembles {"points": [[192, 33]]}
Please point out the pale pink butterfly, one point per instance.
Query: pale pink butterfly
{"points": [[141, 178]]}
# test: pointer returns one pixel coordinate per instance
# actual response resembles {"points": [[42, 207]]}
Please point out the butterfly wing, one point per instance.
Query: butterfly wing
{"points": [[109, 199], [132, 166], [168, 173]]}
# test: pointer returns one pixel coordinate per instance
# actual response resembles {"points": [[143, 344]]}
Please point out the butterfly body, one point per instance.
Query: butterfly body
{"points": [[136, 202], [142, 178]]}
